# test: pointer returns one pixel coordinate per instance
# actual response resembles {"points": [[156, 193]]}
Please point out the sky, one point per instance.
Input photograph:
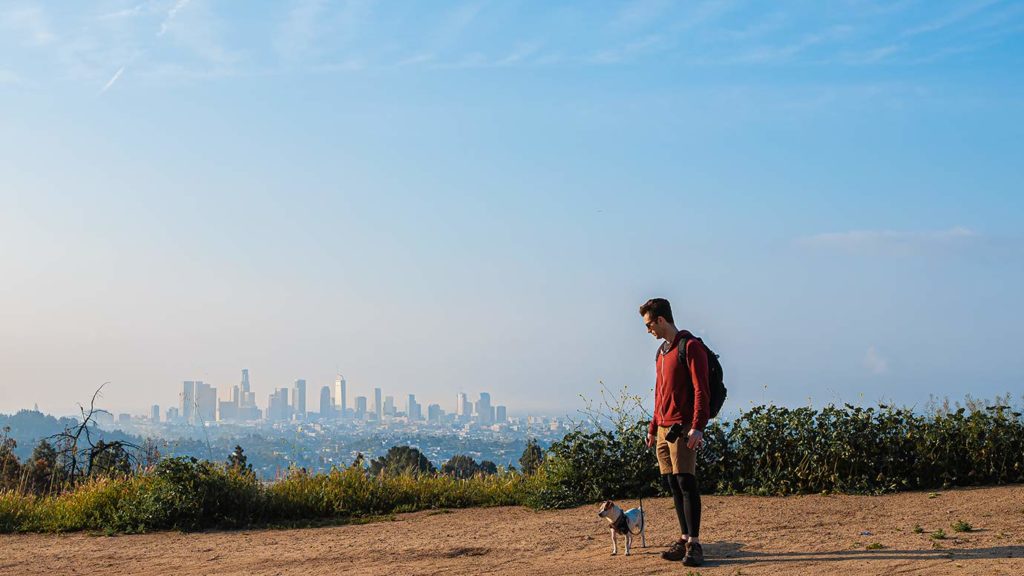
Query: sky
{"points": [[445, 197]]}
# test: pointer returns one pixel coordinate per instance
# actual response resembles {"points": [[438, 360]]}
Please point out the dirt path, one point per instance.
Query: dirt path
{"points": [[743, 535]]}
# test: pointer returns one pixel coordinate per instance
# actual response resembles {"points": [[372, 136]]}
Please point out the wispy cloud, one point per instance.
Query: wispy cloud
{"points": [[874, 361], [647, 44], [962, 13], [887, 240], [113, 79], [171, 14], [773, 54]]}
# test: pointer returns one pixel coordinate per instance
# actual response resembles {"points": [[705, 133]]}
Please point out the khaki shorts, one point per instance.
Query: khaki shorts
{"points": [[675, 458]]}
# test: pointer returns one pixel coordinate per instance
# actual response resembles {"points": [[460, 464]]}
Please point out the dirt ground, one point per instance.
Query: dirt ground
{"points": [[742, 535]]}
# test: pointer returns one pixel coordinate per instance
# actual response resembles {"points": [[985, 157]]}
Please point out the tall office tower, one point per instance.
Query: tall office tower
{"points": [[483, 409], [245, 380], [434, 413], [360, 407], [206, 403], [500, 415], [172, 414], [462, 406], [389, 405], [413, 410], [326, 407], [187, 401], [154, 413], [339, 395], [378, 409], [236, 395], [299, 399], [277, 406]]}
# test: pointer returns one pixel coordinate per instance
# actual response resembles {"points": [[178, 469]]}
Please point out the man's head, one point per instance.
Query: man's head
{"points": [[657, 314]]}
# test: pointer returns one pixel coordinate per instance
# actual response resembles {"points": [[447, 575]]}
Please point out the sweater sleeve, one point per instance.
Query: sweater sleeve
{"points": [[652, 428], [697, 358]]}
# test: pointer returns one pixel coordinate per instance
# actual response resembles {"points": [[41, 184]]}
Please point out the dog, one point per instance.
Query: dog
{"points": [[627, 523]]}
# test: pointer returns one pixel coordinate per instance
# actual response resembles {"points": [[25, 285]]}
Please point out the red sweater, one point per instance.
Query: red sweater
{"points": [[681, 393]]}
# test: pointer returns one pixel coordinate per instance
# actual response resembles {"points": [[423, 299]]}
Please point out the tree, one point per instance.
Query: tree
{"points": [[43, 473], [488, 467], [237, 460], [110, 459], [401, 460], [10, 468], [532, 458], [461, 467]]}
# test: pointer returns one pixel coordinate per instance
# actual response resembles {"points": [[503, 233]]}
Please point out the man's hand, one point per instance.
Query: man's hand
{"points": [[650, 440], [695, 439]]}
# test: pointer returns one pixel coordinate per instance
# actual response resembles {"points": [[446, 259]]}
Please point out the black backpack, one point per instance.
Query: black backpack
{"points": [[716, 384]]}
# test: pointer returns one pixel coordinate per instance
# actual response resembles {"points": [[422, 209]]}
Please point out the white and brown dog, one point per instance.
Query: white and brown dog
{"points": [[627, 523]]}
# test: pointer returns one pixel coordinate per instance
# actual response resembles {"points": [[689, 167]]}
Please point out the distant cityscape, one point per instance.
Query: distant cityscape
{"points": [[285, 433], [198, 403]]}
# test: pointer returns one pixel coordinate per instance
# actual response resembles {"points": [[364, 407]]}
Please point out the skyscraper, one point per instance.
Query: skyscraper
{"points": [[462, 406], [277, 405], [413, 412], [339, 395], [360, 407], [389, 405], [154, 413], [206, 402], [377, 408], [484, 413], [434, 414], [187, 401], [500, 416], [299, 399], [247, 409], [326, 406]]}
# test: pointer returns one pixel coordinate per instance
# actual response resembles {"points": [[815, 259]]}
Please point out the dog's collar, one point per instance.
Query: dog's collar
{"points": [[622, 524]]}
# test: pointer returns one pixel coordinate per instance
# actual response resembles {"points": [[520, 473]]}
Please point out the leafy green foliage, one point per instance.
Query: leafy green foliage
{"points": [[401, 460], [961, 526], [462, 467], [532, 458]]}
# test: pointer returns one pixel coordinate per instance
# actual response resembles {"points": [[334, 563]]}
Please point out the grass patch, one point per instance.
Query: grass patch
{"points": [[874, 546], [961, 526], [918, 529], [939, 534]]}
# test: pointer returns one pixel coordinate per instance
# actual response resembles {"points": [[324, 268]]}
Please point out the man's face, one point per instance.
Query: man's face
{"points": [[655, 325]]}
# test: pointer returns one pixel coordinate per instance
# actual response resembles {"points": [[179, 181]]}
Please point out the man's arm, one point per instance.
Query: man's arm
{"points": [[697, 358]]}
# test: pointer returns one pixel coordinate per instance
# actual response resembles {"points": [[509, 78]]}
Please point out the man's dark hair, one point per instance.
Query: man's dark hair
{"points": [[658, 307]]}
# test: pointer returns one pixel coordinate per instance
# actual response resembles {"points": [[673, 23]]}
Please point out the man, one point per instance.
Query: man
{"points": [[681, 397]]}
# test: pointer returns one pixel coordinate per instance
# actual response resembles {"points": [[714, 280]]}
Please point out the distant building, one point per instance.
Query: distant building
{"points": [[154, 413], [389, 406], [277, 405], [500, 415], [377, 408], [299, 399], [413, 411], [434, 413], [360, 407], [187, 401], [339, 395], [462, 407], [484, 414], [326, 404], [172, 414], [206, 402], [124, 418]]}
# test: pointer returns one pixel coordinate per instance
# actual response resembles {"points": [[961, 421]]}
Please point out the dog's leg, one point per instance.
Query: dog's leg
{"points": [[643, 532], [615, 545], [629, 541]]}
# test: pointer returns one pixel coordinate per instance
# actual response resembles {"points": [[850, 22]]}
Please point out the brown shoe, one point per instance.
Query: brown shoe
{"points": [[694, 555], [676, 552]]}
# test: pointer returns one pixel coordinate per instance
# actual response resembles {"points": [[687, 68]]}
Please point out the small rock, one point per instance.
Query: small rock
{"points": [[866, 533]]}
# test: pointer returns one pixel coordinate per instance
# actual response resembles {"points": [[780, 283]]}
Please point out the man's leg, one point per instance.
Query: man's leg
{"points": [[667, 465], [690, 495], [679, 499]]}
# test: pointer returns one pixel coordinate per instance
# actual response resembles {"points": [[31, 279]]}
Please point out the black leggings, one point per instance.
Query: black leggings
{"points": [[686, 495]]}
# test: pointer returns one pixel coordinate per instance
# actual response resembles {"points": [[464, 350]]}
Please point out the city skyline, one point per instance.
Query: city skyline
{"points": [[200, 402]]}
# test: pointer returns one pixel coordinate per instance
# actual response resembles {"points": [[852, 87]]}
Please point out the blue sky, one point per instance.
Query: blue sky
{"points": [[443, 197]]}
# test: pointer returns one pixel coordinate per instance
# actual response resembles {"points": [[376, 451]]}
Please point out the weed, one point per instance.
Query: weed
{"points": [[939, 534], [874, 546], [918, 529], [961, 526]]}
